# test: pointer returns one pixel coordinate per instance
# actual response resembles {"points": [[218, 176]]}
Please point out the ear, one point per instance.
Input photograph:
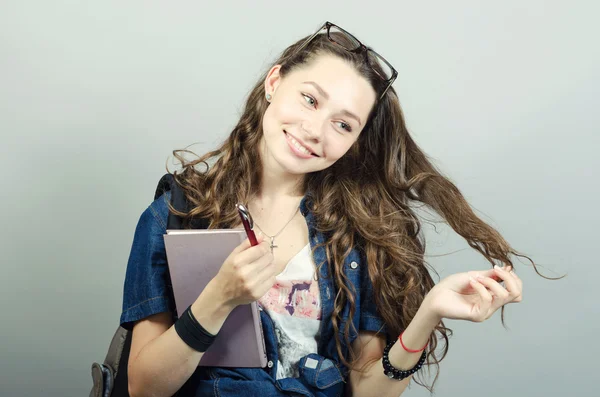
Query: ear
{"points": [[273, 79]]}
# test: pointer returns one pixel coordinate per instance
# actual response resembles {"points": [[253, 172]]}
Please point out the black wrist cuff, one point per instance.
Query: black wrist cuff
{"points": [[192, 333]]}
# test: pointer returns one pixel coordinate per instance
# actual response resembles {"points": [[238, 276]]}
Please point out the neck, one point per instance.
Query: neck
{"points": [[276, 183]]}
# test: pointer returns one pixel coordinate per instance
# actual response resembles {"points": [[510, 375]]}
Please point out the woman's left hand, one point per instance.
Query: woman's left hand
{"points": [[475, 295]]}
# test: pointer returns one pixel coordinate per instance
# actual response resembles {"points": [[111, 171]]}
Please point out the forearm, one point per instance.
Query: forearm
{"points": [[162, 366], [167, 362], [374, 382]]}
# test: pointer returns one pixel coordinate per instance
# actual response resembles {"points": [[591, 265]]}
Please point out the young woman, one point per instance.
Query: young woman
{"points": [[323, 161]]}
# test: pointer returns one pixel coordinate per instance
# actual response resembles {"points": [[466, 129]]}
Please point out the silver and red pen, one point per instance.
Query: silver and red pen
{"points": [[247, 222]]}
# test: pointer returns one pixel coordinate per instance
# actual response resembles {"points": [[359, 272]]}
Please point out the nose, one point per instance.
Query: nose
{"points": [[312, 133]]}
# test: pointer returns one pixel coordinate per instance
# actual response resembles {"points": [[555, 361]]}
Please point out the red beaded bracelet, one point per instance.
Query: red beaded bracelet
{"points": [[410, 350]]}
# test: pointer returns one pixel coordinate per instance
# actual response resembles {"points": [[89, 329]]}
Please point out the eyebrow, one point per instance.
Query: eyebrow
{"points": [[326, 96]]}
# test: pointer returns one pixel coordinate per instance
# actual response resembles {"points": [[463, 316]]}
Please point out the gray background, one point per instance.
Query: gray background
{"points": [[94, 96]]}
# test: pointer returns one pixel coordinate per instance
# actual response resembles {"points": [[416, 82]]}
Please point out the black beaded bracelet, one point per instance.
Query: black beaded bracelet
{"points": [[192, 333], [395, 373]]}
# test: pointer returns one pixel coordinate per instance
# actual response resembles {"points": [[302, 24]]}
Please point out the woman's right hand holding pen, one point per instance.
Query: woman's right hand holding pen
{"points": [[247, 273], [245, 276]]}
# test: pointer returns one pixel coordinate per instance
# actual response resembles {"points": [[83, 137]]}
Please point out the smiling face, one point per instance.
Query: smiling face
{"points": [[316, 114]]}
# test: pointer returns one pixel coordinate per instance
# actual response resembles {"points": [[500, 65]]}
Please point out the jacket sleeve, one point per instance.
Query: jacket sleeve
{"points": [[147, 287]]}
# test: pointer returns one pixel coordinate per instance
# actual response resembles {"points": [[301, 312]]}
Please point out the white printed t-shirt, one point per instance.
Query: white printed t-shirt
{"points": [[294, 304]]}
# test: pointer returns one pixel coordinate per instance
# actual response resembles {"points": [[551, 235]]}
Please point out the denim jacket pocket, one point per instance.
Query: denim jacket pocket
{"points": [[319, 371]]}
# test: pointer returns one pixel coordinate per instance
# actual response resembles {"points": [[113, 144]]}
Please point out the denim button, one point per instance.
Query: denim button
{"points": [[354, 265], [270, 364]]}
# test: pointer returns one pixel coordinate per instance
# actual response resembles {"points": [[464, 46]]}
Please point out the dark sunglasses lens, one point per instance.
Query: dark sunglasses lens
{"points": [[343, 38]]}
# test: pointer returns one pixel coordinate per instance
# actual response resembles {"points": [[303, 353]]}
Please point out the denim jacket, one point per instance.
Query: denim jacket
{"points": [[321, 373]]}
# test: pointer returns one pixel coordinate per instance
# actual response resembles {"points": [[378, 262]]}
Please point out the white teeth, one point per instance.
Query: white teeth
{"points": [[298, 146]]}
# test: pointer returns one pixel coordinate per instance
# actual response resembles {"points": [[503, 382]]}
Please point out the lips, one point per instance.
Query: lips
{"points": [[291, 137]]}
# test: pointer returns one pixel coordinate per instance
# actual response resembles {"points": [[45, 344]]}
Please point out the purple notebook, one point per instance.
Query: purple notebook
{"points": [[194, 258]]}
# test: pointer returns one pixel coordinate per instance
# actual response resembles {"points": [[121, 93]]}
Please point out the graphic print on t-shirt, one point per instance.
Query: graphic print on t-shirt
{"points": [[294, 304]]}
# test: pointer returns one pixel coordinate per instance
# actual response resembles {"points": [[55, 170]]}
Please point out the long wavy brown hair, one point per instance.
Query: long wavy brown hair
{"points": [[365, 200]]}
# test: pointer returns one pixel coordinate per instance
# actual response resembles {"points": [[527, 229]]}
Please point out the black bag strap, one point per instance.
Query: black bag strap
{"points": [[178, 200], [121, 387]]}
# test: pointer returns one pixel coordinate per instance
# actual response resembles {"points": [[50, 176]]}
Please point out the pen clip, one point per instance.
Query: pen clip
{"points": [[245, 214]]}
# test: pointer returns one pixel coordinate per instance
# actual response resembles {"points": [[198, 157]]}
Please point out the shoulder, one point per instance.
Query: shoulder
{"points": [[159, 209]]}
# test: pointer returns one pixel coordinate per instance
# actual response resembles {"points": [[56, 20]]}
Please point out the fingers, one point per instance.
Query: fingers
{"points": [[242, 247], [488, 273], [501, 295], [250, 253], [262, 274], [268, 272], [266, 280], [512, 283], [260, 265], [246, 243], [481, 311], [495, 288], [519, 297]]}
